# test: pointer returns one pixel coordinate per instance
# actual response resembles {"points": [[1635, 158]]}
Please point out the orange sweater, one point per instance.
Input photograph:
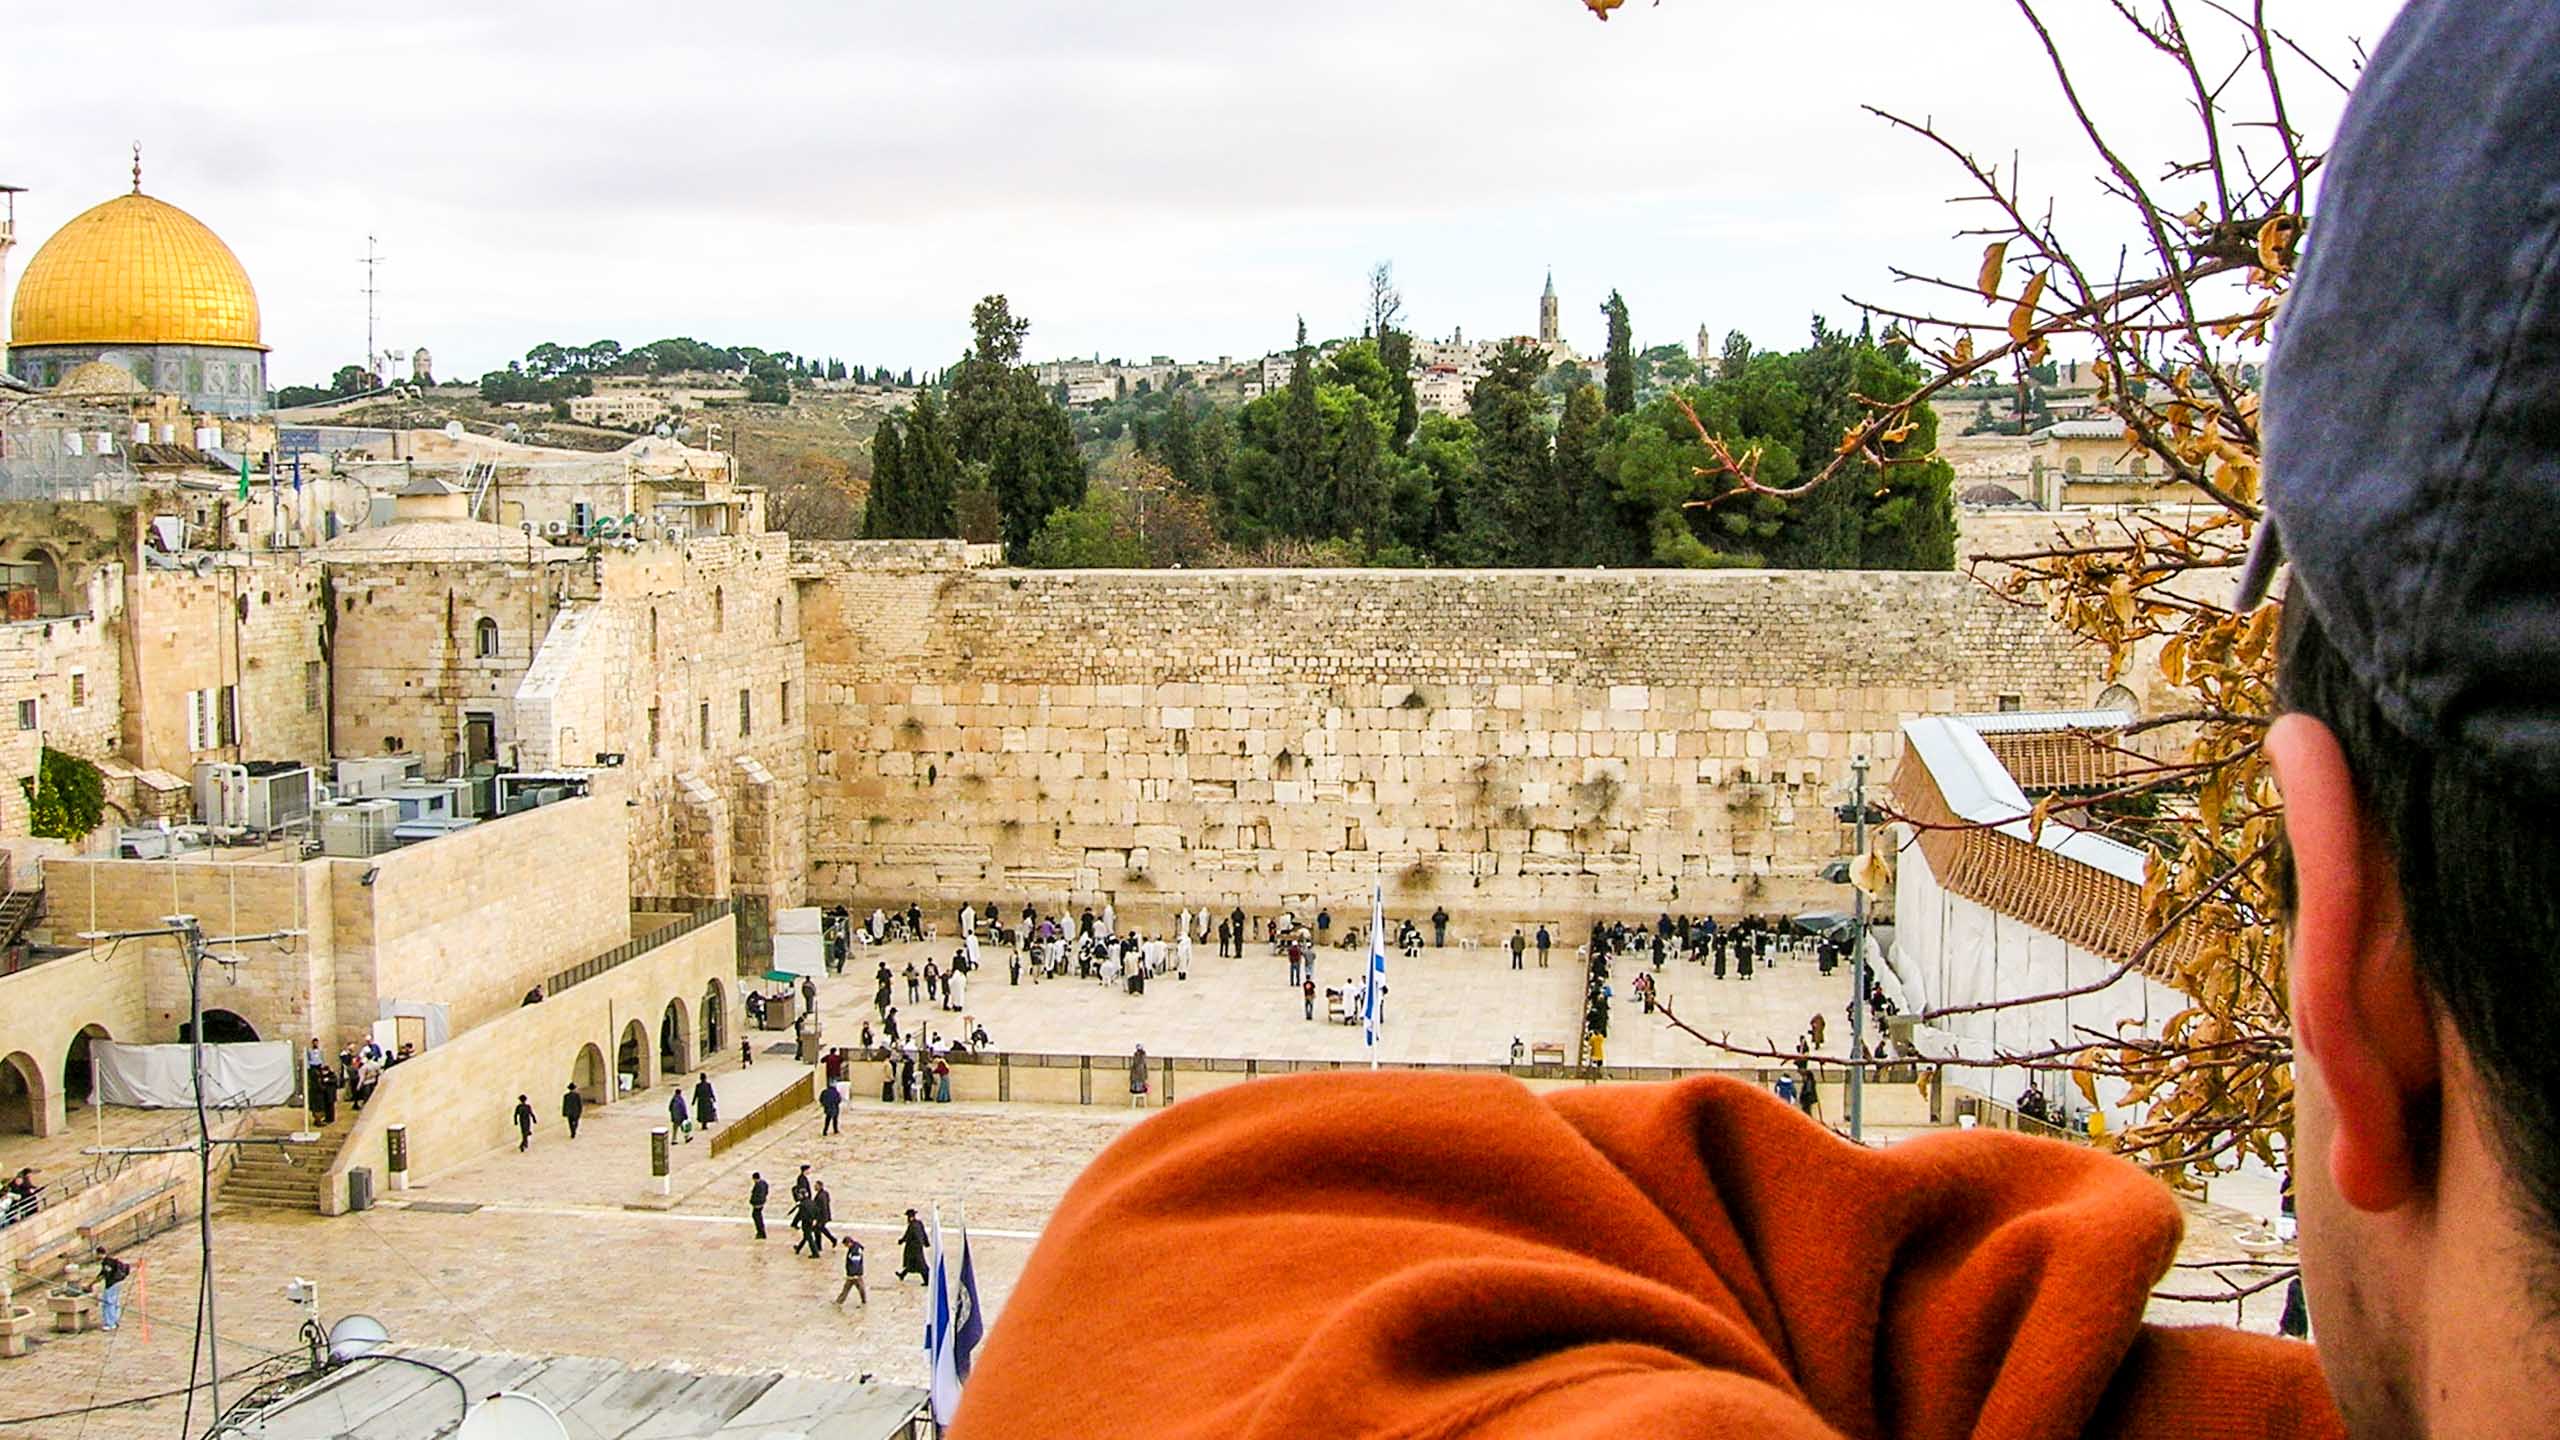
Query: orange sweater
{"points": [[1422, 1256]]}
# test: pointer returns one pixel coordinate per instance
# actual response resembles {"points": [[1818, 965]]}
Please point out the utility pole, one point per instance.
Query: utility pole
{"points": [[1858, 962], [191, 934]]}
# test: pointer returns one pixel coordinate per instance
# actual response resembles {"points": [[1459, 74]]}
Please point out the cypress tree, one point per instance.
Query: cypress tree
{"points": [[880, 509], [932, 475], [1301, 448], [1622, 357]]}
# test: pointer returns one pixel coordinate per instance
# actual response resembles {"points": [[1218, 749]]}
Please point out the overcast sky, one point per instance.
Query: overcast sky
{"points": [[845, 177]]}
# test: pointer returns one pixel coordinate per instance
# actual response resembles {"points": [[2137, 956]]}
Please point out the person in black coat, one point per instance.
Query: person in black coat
{"points": [[524, 1124], [706, 1103], [911, 1244], [572, 1105], [757, 1194]]}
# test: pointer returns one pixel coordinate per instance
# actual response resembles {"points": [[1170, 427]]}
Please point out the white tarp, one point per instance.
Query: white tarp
{"points": [[800, 954], [256, 1072], [799, 920]]}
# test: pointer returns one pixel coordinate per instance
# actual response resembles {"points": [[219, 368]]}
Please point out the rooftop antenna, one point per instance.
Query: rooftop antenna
{"points": [[372, 291]]}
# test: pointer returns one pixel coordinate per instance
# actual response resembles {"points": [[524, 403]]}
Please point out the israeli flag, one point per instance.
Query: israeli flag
{"points": [[1377, 987], [953, 1325]]}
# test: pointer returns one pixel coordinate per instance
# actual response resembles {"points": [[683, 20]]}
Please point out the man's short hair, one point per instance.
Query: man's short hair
{"points": [[2481, 889]]}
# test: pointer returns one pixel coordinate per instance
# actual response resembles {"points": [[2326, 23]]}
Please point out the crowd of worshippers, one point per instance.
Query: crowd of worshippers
{"points": [[1737, 948]]}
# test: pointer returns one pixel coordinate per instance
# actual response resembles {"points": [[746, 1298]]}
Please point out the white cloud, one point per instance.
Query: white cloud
{"points": [[845, 178]]}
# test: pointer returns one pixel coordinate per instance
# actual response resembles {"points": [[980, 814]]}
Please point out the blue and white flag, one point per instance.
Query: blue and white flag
{"points": [[953, 1323], [1377, 987]]}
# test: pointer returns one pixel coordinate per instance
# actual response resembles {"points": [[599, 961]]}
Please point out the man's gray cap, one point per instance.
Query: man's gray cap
{"points": [[2413, 400]]}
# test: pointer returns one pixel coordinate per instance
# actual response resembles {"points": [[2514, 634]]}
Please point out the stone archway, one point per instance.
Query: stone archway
{"points": [[715, 1021], [636, 1057], [77, 1072], [221, 1027], [675, 1039], [22, 1107], [587, 1074]]}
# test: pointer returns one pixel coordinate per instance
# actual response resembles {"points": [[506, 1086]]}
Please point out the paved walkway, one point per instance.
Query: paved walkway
{"points": [[1449, 1006]]}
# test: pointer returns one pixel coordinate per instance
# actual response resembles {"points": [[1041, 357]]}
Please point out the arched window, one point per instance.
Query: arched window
{"points": [[2071, 466], [488, 638]]}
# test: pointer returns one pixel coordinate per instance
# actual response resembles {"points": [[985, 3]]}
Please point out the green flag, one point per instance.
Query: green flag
{"points": [[244, 477]]}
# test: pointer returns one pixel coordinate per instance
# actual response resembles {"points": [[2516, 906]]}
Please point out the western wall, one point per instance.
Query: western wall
{"points": [[1513, 745]]}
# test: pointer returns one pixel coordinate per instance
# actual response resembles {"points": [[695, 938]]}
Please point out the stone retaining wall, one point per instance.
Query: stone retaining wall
{"points": [[1510, 744]]}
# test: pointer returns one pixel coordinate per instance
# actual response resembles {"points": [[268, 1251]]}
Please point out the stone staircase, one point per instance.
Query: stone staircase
{"points": [[284, 1177], [18, 911]]}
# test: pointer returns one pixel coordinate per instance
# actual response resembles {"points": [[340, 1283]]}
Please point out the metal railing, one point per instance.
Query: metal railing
{"points": [[105, 1168], [637, 946], [796, 1095]]}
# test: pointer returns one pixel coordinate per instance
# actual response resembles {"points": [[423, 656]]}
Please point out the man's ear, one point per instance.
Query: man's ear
{"points": [[2359, 1011]]}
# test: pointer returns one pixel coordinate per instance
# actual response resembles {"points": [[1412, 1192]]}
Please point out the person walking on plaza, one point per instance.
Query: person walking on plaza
{"points": [[758, 1192], [1138, 1077], [1309, 991], [1545, 941], [572, 1105], [852, 1273], [677, 1118], [324, 1095], [822, 1214], [1519, 948], [907, 1077], [524, 1124], [808, 995], [831, 1100], [746, 1053], [706, 1102], [804, 1220], [911, 1242]]}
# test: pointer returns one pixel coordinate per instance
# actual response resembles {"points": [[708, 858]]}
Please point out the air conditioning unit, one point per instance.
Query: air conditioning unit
{"points": [[474, 798], [422, 802], [556, 529], [262, 796], [371, 775], [152, 843], [357, 829], [412, 832]]}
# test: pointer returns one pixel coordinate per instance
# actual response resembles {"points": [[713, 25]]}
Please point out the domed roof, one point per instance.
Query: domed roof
{"points": [[135, 271], [406, 540], [100, 377]]}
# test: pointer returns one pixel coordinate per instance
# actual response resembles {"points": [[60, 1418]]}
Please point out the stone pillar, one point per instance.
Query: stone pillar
{"points": [[395, 1140], [659, 1160]]}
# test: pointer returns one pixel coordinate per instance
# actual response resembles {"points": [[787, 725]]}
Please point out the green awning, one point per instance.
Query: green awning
{"points": [[784, 976]]}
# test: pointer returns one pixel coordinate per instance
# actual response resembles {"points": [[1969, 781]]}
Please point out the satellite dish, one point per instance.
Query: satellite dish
{"points": [[509, 1415], [355, 1336], [662, 432], [514, 431], [453, 429]]}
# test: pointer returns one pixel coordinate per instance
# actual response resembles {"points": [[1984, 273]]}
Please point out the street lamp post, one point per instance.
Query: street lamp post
{"points": [[1858, 961]]}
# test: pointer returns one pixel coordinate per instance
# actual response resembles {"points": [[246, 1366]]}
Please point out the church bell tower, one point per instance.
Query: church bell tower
{"points": [[1549, 331]]}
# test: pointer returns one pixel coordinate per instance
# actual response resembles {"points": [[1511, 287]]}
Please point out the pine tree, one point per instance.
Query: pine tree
{"points": [[1505, 513], [1622, 357], [881, 508]]}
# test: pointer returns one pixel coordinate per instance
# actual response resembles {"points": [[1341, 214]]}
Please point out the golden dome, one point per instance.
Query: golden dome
{"points": [[135, 271]]}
